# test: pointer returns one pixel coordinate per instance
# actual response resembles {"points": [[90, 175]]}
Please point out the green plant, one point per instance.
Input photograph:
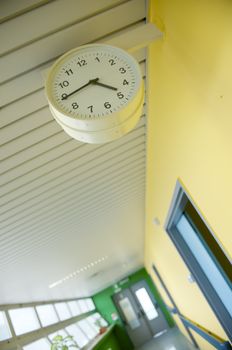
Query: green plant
{"points": [[63, 343]]}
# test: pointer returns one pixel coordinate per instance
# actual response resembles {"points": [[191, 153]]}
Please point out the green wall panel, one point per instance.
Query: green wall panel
{"points": [[110, 342]]}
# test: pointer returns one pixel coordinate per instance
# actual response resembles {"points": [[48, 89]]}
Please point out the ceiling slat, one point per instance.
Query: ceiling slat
{"points": [[25, 125], [22, 107], [55, 17], [78, 34], [19, 158], [16, 172], [39, 241], [59, 155], [22, 162], [56, 191], [64, 223], [25, 141], [54, 220], [14, 8], [14, 200], [83, 188]]}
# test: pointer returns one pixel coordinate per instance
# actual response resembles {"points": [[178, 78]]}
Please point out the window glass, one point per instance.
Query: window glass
{"points": [[63, 311], [47, 314], [146, 303], [78, 335], [41, 344], [59, 332], [206, 262], [87, 329], [203, 254], [24, 320], [92, 321], [103, 322], [74, 308], [83, 305], [92, 325], [90, 304], [4, 327], [97, 318]]}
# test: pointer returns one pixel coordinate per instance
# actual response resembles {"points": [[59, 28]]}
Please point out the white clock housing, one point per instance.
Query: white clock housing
{"points": [[96, 92]]}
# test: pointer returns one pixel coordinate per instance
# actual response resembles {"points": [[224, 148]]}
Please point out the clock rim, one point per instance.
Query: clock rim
{"points": [[55, 107], [99, 123], [104, 135]]}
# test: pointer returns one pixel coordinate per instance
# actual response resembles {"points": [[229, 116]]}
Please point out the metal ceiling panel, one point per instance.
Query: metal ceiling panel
{"points": [[63, 203]]}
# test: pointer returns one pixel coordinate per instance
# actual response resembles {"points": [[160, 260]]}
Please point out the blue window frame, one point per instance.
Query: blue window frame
{"points": [[203, 254]]}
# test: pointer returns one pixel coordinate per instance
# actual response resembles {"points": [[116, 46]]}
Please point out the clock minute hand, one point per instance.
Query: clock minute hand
{"points": [[104, 85], [91, 81]]}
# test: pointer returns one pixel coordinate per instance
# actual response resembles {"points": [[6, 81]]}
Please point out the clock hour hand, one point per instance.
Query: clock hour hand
{"points": [[91, 81], [104, 85]]}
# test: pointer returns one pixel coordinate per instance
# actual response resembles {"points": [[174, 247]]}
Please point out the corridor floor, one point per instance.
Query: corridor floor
{"points": [[171, 340]]}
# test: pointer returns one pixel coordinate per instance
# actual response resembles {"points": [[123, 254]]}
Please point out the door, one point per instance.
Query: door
{"points": [[140, 313], [133, 320], [150, 308]]}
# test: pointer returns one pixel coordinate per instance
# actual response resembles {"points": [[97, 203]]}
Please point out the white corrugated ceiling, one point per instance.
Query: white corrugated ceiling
{"points": [[64, 205]]}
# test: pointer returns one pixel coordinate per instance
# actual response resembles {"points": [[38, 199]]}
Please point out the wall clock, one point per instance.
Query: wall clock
{"points": [[95, 92]]}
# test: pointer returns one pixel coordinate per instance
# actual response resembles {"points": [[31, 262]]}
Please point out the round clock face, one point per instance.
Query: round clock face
{"points": [[93, 81]]}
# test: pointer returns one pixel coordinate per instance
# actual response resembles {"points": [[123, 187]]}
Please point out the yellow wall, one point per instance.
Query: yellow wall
{"points": [[189, 135]]}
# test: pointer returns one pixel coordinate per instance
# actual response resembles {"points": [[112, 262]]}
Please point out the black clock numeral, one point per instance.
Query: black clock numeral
{"points": [[82, 63], [64, 84], [90, 108], [75, 105], [122, 70], [69, 71], [125, 82], [97, 59], [107, 105], [112, 62], [64, 96], [120, 95]]}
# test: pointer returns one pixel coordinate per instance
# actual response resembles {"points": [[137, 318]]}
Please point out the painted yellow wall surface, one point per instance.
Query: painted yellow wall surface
{"points": [[204, 344], [189, 135]]}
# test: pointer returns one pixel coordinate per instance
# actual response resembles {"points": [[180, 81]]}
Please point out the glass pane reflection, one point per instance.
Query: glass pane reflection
{"points": [[146, 303], [129, 313]]}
